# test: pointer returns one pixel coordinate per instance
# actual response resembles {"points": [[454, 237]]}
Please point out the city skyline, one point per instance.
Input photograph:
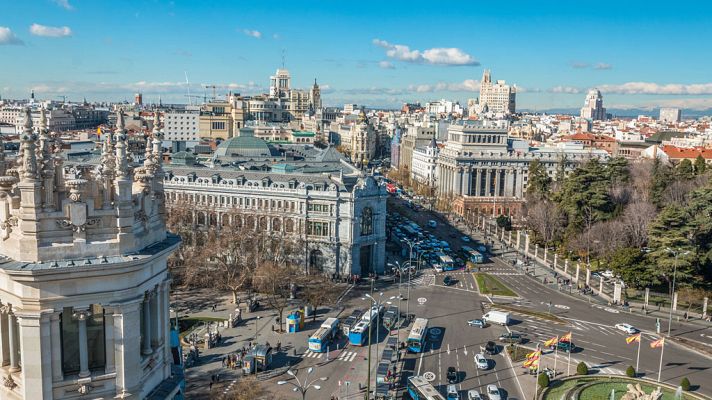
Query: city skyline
{"points": [[374, 54]]}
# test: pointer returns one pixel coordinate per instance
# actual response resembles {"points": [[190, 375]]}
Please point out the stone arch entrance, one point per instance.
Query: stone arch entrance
{"points": [[316, 262]]}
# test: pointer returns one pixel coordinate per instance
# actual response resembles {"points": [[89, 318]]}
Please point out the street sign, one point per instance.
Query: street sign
{"points": [[429, 376], [422, 300]]}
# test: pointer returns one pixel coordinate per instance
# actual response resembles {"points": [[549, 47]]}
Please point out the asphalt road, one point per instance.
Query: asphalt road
{"points": [[602, 347]]}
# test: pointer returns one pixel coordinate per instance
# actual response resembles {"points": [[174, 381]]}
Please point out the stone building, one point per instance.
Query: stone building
{"points": [[482, 168], [300, 191], [83, 280]]}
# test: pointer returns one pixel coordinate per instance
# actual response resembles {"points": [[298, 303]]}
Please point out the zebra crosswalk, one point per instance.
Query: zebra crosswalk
{"points": [[345, 355], [423, 280]]}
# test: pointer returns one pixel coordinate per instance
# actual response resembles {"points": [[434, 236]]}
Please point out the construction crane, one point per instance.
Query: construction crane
{"points": [[64, 98], [192, 96]]}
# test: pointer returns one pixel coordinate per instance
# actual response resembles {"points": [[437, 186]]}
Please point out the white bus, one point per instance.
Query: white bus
{"points": [[421, 389], [319, 341], [416, 338]]}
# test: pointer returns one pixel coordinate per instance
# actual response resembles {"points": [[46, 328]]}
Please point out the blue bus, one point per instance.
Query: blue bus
{"points": [[358, 334], [446, 262], [472, 255], [416, 338], [420, 389], [319, 341]]}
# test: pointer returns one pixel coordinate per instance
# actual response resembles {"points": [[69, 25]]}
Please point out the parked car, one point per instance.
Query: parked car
{"points": [[607, 273], [627, 328], [451, 375], [493, 392], [476, 322], [481, 361], [474, 395], [511, 337]]}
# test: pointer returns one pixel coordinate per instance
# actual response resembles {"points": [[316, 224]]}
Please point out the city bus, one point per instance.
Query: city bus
{"points": [[445, 261], [358, 335], [319, 341], [420, 389], [472, 255], [416, 338]]}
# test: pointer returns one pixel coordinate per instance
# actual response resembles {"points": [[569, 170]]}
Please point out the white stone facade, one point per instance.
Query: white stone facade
{"points": [[340, 219], [497, 97], [425, 163], [83, 279], [182, 126]]}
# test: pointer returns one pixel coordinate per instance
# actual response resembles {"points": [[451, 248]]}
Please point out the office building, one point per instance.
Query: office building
{"points": [[670, 115], [496, 97], [593, 106]]}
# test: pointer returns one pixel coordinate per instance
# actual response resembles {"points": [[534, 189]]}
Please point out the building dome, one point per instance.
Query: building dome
{"points": [[245, 145]]}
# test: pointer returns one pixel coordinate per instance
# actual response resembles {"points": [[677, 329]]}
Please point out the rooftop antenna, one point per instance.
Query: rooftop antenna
{"points": [[283, 58]]}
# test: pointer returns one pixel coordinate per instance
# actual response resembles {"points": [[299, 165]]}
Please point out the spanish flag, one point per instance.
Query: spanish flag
{"points": [[534, 362], [566, 338], [634, 338], [98, 132], [551, 341], [534, 355], [657, 343]]}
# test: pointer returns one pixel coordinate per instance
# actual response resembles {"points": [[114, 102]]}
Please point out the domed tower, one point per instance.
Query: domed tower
{"points": [[84, 293]]}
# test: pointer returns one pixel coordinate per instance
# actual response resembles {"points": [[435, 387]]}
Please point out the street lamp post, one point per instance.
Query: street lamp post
{"points": [[675, 252], [257, 319], [377, 304], [303, 386]]}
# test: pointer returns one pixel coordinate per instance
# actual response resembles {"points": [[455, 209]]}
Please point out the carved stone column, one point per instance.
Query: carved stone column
{"points": [[146, 332], [81, 315]]}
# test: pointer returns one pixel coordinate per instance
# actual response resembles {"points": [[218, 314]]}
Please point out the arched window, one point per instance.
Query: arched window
{"points": [[367, 221], [316, 262]]}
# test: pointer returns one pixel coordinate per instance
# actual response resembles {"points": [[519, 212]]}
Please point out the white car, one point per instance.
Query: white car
{"points": [[474, 395], [481, 361], [465, 239], [607, 274], [438, 268], [627, 328], [493, 392]]}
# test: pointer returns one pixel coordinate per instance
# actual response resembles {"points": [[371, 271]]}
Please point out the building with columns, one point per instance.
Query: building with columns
{"points": [[484, 169], [83, 279]]}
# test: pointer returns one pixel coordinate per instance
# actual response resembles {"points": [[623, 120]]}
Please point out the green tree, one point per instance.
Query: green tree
{"points": [[700, 165], [670, 230], [617, 170], [543, 380], [630, 372], [539, 182], [660, 178], [582, 368], [699, 211], [630, 264], [685, 170], [685, 384], [505, 222]]}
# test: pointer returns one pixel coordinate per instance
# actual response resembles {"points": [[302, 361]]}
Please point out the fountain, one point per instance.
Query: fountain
{"points": [[678, 393], [613, 394]]}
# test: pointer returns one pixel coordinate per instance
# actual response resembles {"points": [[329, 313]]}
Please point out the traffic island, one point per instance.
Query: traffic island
{"points": [[609, 387], [531, 313], [489, 285]]}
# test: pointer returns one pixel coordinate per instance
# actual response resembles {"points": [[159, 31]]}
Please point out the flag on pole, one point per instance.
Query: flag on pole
{"points": [[98, 132], [551, 341], [533, 355], [534, 362], [633, 338], [657, 343], [566, 338]]}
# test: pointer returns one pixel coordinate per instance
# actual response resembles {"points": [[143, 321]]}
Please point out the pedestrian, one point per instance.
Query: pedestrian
{"points": [[685, 315], [223, 361], [210, 388]]}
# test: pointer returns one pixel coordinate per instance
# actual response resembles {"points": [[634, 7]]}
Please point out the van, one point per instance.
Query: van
{"points": [[497, 317], [432, 224]]}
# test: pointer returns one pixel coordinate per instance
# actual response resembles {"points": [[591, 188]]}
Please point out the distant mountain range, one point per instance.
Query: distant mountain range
{"points": [[625, 112]]}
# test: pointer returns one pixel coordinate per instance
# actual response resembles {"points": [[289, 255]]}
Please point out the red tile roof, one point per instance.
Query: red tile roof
{"points": [[680, 153]]}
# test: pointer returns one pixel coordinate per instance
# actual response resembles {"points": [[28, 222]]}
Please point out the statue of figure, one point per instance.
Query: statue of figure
{"points": [[635, 392]]}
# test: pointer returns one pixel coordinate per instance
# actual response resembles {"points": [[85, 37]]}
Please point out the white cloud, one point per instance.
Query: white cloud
{"points": [[64, 4], [602, 66], [655, 88], [435, 56], [386, 65], [8, 37], [565, 89], [584, 65], [50, 31], [579, 65], [468, 85], [252, 33]]}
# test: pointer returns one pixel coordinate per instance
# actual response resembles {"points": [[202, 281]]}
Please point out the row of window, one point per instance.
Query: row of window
{"points": [[244, 202]]}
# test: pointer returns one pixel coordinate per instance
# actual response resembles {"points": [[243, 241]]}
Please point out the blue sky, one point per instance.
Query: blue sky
{"points": [[640, 54]]}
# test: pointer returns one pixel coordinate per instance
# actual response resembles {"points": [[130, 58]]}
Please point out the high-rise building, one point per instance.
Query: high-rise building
{"points": [[84, 301], [279, 84], [497, 97], [593, 107], [670, 115], [138, 99]]}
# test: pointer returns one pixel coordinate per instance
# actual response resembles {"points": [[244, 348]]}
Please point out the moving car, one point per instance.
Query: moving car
{"points": [[474, 395], [452, 392], [432, 224], [476, 322], [493, 392], [607, 274], [491, 348], [438, 268], [481, 361], [447, 281], [627, 328], [497, 317], [451, 375], [567, 347], [511, 337], [465, 239]]}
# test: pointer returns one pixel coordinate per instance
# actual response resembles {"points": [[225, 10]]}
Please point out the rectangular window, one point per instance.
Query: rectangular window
{"points": [[317, 228], [218, 125]]}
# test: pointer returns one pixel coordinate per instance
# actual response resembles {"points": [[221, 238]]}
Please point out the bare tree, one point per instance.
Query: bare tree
{"points": [[246, 389], [635, 220], [275, 282], [640, 179], [546, 219], [319, 291]]}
